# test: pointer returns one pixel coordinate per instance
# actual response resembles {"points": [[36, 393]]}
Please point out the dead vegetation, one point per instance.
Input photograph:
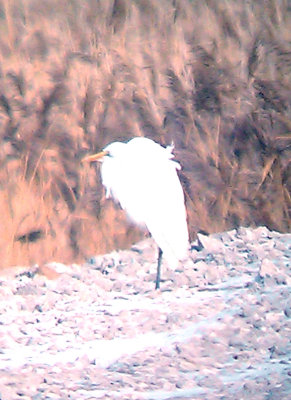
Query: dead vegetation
{"points": [[214, 77]]}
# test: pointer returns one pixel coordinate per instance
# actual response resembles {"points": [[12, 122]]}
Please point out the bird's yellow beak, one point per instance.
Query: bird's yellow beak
{"points": [[95, 157]]}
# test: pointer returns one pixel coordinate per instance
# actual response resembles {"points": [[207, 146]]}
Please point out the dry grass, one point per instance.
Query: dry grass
{"points": [[74, 76]]}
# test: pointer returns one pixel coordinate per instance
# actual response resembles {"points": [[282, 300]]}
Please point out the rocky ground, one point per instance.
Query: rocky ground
{"points": [[219, 328]]}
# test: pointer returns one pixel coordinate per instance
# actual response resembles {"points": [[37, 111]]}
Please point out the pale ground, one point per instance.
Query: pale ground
{"points": [[218, 329]]}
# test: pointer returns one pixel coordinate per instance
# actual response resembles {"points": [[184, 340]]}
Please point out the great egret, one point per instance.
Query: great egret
{"points": [[142, 177]]}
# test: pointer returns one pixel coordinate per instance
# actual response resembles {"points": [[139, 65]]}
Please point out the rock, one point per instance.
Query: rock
{"points": [[211, 244], [268, 268]]}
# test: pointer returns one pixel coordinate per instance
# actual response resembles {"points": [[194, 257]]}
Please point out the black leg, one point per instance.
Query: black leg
{"points": [[158, 278]]}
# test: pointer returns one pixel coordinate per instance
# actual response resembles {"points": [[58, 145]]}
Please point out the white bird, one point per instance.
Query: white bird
{"points": [[142, 177]]}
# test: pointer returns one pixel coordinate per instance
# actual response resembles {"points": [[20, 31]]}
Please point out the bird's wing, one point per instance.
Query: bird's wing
{"points": [[168, 224], [155, 198]]}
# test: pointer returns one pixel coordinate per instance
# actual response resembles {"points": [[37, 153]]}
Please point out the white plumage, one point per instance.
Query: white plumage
{"points": [[142, 177]]}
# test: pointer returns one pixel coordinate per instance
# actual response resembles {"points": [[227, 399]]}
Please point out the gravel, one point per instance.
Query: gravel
{"points": [[219, 328]]}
